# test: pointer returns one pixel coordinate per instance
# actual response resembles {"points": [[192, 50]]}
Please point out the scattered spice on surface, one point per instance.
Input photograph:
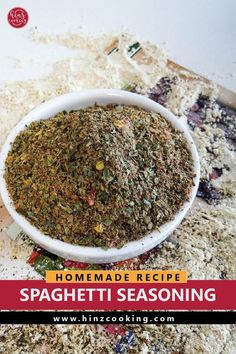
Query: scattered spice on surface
{"points": [[100, 176]]}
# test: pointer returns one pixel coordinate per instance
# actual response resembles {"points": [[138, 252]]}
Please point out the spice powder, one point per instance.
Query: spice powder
{"points": [[99, 176]]}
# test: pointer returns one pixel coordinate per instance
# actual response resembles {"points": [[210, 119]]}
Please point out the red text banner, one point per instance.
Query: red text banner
{"points": [[193, 295]]}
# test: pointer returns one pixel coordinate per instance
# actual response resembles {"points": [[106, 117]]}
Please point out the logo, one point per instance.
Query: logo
{"points": [[18, 17]]}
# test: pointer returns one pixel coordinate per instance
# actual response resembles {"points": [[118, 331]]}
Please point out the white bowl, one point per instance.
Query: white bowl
{"points": [[77, 100]]}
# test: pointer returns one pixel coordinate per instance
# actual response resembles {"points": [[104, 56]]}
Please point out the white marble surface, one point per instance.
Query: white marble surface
{"points": [[200, 35]]}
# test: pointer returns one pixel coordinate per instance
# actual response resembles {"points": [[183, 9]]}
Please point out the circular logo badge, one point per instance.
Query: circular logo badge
{"points": [[18, 17]]}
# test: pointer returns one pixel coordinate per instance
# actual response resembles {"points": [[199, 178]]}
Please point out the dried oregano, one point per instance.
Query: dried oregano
{"points": [[99, 176]]}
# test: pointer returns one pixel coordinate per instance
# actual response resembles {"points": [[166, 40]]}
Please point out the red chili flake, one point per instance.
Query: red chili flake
{"points": [[115, 329], [216, 173], [144, 257], [126, 263], [126, 120], [91, 198], [195, 107], [73, 264], [34, 255]]}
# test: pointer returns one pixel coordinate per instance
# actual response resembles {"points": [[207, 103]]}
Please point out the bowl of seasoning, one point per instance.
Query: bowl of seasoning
{"points": [[100, 175]]}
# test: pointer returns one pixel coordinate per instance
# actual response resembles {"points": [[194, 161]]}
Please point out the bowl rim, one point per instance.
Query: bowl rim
{"points": [[83, 99]]}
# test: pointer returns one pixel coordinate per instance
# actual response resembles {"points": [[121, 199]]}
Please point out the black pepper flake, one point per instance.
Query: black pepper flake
{"points": [[196, 114], [208, 192], [223, 275], [160, 91], [227, 122], [203, 101]]}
